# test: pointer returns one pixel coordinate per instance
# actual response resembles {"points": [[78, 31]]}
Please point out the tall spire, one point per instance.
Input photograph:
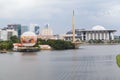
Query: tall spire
{"points": [[73, 12], [73, 27]]}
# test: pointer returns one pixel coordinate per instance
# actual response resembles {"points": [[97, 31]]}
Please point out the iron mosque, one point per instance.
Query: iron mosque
{"points": [[96, 33]]}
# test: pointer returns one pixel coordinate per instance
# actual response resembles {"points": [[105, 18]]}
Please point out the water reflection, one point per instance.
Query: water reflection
{"points": [[28, 56], [86, 67], [28, 53]]}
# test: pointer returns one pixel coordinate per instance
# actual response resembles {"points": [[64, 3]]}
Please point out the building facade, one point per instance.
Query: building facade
{"points": [[35, 28], [16, 27], [24, 28], [5, 34], [96, 33], [47, 31]]}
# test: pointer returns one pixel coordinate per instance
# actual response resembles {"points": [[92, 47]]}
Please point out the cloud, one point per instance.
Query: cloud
{"points": [[114, 11], [27, 8], [59, 12], [9, 8]]}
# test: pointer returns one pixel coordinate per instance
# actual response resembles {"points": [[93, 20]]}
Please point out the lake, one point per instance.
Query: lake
{"points": [[89, 62]]}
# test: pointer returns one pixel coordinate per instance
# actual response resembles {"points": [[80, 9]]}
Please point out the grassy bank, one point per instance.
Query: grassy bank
{"points": [[118, 60]]}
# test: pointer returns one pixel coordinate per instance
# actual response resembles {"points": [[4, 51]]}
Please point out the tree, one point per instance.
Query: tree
{"points": [[14, 39], [56, 44], [7, 45], [60, 44]]}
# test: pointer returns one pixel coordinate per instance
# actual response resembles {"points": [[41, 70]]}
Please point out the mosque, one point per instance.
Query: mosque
{"points": [[96, 33]]}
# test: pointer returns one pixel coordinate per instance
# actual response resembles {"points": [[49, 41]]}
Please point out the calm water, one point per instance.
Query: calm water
{"points": [[93, 62]]}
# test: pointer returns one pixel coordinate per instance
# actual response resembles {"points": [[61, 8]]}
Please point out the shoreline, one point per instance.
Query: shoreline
{"points": [[6, 51], [100, 43]]}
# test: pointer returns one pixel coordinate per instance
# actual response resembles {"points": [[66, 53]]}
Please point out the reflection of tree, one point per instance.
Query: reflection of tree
{"points": [[29, 54]]}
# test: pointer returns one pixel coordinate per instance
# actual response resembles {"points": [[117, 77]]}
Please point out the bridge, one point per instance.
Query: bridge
{"points": [[76, 44]]}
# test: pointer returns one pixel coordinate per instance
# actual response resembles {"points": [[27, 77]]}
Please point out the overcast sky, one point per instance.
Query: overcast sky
{"points": [[58, 13]]}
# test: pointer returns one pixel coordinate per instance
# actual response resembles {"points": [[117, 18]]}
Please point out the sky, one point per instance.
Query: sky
{"points": [[58, 13]]}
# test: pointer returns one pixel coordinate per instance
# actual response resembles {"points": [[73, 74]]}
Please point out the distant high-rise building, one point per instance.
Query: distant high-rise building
{"points": [[47, 30], [24, 28], [16, 27], [35, 28], [47, 33]]}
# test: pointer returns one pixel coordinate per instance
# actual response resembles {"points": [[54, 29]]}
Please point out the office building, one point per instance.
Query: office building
{"points": [[35, 28], [47, 31], [24, 28], [16, 27], [5, 34]]}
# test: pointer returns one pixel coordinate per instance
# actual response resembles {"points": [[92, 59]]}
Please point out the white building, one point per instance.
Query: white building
{"points": [[47, 31], [35, 28], [7, 33], [96, 33]]}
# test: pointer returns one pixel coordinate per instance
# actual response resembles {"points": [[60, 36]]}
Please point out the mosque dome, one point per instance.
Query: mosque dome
{"points": [[98, 27]]}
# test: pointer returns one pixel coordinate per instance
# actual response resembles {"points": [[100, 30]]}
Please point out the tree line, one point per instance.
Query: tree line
{"points": [[55, 44]]}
